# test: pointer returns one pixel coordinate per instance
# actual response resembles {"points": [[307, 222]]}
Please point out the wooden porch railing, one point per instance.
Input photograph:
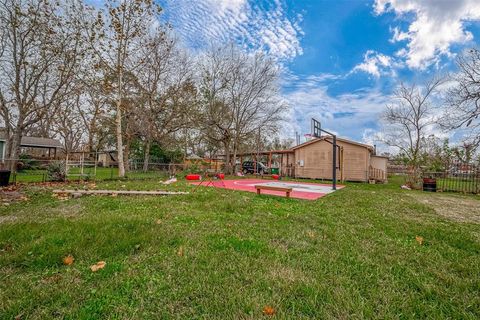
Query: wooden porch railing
{"points": [[376, 174]]}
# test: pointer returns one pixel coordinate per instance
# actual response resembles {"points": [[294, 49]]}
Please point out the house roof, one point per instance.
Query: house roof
{"points": [[263, 153], [315, 140], [35, 141]]}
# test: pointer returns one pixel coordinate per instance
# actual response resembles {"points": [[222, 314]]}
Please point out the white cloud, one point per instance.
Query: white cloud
{"points": [[350, 115], [435, 27], [256, 26], [374, 63]]}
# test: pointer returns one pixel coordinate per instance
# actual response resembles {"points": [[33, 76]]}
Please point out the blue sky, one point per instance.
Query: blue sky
{"points": [[341, 59]]}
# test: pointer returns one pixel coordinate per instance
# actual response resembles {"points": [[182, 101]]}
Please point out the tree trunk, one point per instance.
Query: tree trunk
{"points": [[14, 147], [146, 156], [118, 125], [126, 155], [8, 147], [227, 157], [234, 159], [90, 141]]}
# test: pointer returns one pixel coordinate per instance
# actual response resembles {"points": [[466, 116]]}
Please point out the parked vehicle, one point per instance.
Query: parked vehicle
{"points": [[249, 167]]}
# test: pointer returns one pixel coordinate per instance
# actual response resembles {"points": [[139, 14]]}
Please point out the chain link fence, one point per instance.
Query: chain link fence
{"points": [[34, 170]]}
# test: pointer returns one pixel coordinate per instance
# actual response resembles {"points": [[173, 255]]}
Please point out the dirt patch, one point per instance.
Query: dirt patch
{"points": [[453, 207], [11, 194]]}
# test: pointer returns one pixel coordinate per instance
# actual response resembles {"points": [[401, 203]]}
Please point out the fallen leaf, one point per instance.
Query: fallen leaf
{"points": [[269, 311], [159, 221], [419, 239], [68, 260], [311, 234], [98, 266], [180, 251]]}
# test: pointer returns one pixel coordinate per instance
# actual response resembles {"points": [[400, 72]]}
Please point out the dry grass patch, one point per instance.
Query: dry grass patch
{"points": [[453, 207], [287, 274]]}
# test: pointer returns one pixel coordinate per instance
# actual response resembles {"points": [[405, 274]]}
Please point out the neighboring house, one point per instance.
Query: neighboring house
{"points": [[107, 158], [36, 147], [204, 163]]}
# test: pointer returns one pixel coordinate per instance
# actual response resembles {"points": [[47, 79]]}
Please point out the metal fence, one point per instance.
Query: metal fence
{"points": [[33, 170], [466, 182]]}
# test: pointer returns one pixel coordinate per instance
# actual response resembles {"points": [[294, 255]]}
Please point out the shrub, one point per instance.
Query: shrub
{"points": [[56, 171], [26, 162]]}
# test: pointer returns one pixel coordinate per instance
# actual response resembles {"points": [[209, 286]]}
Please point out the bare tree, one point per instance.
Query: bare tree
{"points": [[463, 98], [68, 126], [253, 96], [240, 95], [38, 56], [407, 120], [162, 68], [216, 118]]}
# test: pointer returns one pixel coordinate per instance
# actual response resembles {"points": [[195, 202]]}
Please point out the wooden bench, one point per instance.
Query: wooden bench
{"points": [[283, 189]]}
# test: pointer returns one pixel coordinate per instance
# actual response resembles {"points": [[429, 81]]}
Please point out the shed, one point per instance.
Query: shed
{"points": [[355, 161]]}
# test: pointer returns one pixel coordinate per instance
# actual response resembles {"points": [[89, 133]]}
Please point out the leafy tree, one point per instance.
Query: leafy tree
{"points": [[117, 39]]}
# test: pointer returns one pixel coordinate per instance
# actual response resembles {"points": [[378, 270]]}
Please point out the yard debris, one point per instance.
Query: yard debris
{"points": [[76, 195], [419, 239], [311, 234], [11, 194], [99, 265], [169, 181], [268, 311], [62, 196], [68, 260], [405, 187], [180, 251], [158, 221], [115, 193]]}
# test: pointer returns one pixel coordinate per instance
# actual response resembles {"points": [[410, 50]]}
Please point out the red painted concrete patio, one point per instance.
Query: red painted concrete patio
{"points": [[300, 190]]}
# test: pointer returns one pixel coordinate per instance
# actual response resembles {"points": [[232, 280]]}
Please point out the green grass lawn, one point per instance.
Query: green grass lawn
{"points": [[222, 254], [90, 173]]}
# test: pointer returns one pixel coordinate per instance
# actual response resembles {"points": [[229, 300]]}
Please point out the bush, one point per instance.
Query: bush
{"points": [[26, 163], [56, 171]]}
